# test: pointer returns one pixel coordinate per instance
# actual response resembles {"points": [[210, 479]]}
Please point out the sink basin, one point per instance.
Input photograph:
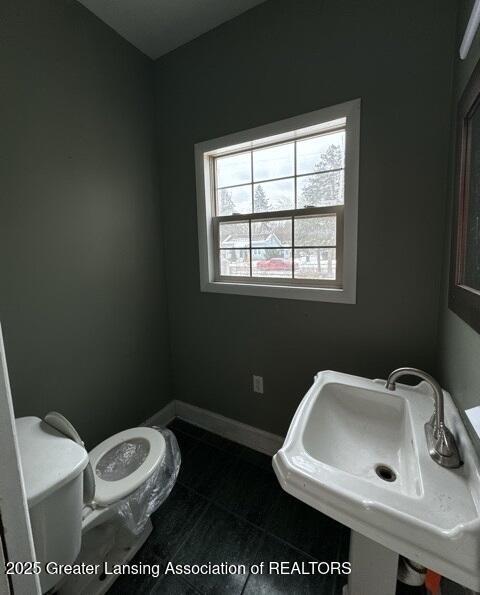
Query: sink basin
{"points": [[357, 452], [361, 432]]}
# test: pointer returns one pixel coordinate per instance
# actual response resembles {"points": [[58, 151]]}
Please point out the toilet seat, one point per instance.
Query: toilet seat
{"points": [[107, 492]]}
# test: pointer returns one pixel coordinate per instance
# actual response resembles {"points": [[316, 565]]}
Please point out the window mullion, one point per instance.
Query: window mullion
{"points": [[296, 204], [251, 179], [293, 247], [295, 172], [250, 245]]}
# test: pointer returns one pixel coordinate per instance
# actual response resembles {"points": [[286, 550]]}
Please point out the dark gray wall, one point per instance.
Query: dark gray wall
{"points": [[82, 298], [281, 59], [459, 351]]}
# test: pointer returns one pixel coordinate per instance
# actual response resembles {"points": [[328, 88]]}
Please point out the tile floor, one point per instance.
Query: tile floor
{"points": [[227, 506]]}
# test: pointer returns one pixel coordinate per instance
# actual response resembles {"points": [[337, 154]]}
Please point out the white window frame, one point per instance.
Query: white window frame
{"points": [[291, 128]]}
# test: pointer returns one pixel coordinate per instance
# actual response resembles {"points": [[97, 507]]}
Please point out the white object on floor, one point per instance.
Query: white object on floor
{"points": [[411, 573], [358, 453]]}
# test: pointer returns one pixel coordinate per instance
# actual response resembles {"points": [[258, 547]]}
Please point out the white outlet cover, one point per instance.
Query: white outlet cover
{"points": [[258, 384]]}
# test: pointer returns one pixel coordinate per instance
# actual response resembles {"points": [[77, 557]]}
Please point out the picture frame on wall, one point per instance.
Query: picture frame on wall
{"points": [[464, 291]]}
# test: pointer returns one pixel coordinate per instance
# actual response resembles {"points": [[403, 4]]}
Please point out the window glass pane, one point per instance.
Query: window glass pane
{"points": [[235, 263], [274, 196], [234, 235], [315, 231], [234, 169], [271, 233], [274, 162], [320, 190], [321, 153], [234, 200], [315, 263], [272, 262]]}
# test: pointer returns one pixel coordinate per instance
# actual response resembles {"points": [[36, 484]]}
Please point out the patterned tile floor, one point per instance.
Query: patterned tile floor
{"points": [[227, 506]]}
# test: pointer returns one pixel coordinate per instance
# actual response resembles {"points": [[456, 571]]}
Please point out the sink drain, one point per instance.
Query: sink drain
{"points": [[385, 473]]}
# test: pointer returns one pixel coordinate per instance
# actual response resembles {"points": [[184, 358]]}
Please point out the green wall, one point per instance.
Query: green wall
{"points": [[459, 350], [82, 296], [87, 202], [281, 59]]}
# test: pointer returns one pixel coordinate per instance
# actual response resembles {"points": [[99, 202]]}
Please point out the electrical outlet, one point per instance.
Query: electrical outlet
{"points": [[258, 384]]}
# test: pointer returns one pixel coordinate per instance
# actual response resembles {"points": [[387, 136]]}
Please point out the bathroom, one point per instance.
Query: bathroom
{"points": [[130, 300]]}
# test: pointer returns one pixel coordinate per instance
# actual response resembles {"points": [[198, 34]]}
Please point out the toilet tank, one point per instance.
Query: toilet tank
{"points": [[52, 467]]}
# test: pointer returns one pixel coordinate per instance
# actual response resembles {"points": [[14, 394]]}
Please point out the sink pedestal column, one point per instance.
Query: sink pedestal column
{"points": [[374, 568]]}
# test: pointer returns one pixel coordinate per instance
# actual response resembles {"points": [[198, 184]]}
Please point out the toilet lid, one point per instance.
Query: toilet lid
{"points": [[124, 461], [61, 424]]}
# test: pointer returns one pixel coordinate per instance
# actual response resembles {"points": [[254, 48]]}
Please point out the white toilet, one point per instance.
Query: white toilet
{"points": [[92, 507]]}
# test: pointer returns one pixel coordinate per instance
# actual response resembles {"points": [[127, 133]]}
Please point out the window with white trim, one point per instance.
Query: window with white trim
{"points": [[277, 208]]}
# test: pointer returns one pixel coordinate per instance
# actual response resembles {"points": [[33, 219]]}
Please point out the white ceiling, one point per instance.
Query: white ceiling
{"points": [[158, 26]]}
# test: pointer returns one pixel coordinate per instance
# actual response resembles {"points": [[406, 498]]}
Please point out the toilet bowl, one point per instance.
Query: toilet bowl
{"points": [[121, 465], [129, 474], [125, 461], [116, 515]]}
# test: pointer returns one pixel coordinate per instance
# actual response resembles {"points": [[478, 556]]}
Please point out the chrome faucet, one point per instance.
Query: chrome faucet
{"points": [[440, 441]]}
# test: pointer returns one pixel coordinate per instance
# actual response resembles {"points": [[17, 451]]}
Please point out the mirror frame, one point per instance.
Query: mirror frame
{"points": [[463, 300]]}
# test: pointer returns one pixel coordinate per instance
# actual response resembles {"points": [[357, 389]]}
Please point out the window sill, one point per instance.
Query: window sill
{"points": [[316, 294]]}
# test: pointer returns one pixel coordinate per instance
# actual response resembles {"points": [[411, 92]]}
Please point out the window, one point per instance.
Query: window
{"points": [[277, 208]]}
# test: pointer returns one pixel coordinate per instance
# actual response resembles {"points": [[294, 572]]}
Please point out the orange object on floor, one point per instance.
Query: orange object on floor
{"points": [[432, 583]]}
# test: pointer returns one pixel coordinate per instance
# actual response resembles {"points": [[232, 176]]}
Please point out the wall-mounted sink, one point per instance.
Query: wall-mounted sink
{"points": [[357, 452]]}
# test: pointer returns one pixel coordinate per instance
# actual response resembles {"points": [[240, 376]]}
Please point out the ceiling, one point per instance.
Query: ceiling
{"points": [[158, 26]]}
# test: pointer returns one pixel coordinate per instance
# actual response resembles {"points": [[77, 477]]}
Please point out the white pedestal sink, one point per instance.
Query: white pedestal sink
{"points": [[357, 452]]}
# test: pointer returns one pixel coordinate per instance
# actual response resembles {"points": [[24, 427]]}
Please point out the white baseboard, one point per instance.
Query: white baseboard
{"points": [[162, 417], [232, 429]]}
